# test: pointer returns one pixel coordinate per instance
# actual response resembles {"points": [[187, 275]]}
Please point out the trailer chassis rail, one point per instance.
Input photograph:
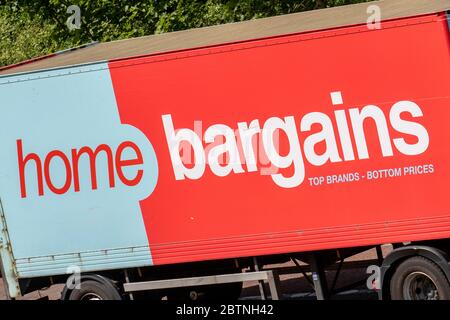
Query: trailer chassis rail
{"points": [[270, 276]]}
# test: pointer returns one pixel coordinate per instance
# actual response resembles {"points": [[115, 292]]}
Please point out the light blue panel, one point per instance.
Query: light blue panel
{"points": [[67, 109]]}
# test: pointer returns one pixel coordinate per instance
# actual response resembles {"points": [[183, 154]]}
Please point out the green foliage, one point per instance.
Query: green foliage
{"points": [[22, 37], [33, 28]]}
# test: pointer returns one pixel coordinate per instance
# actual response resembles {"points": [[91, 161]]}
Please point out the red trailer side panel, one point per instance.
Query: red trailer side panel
{"points": [[322, 189]]}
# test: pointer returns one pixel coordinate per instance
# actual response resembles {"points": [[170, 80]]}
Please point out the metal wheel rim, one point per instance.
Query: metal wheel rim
{"points": [[419, 286], [91, 296]]}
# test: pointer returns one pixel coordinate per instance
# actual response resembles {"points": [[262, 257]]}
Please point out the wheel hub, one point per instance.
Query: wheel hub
{"points": [[419, 286]]}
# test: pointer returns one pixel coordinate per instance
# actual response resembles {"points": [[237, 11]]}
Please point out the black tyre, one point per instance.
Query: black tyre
{"points": [[419, 278], [95, 290]]}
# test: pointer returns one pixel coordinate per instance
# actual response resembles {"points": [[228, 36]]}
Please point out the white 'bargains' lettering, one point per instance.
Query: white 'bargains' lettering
{"points": [[238, 144]]}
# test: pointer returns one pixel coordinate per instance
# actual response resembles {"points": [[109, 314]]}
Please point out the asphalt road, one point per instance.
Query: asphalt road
{"points": [[293, 286]]}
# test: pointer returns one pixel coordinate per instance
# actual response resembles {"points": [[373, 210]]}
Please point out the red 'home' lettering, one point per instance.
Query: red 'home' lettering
{"points": [[92, 158], [72, 169], [22, 162], [68, 174], [129, 162]]}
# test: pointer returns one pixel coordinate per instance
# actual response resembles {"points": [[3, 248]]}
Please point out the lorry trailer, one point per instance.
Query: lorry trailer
{"points": [[186, 163]]}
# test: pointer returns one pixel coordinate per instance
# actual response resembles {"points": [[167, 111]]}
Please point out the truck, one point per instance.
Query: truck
{"points": [[183, 164]]}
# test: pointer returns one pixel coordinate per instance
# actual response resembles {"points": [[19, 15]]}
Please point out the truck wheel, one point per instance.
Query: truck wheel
{"points": [[418, 278], [95, 290]]}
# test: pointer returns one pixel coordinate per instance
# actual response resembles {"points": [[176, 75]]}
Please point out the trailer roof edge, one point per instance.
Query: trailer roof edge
{"points": [[232, 32]]}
